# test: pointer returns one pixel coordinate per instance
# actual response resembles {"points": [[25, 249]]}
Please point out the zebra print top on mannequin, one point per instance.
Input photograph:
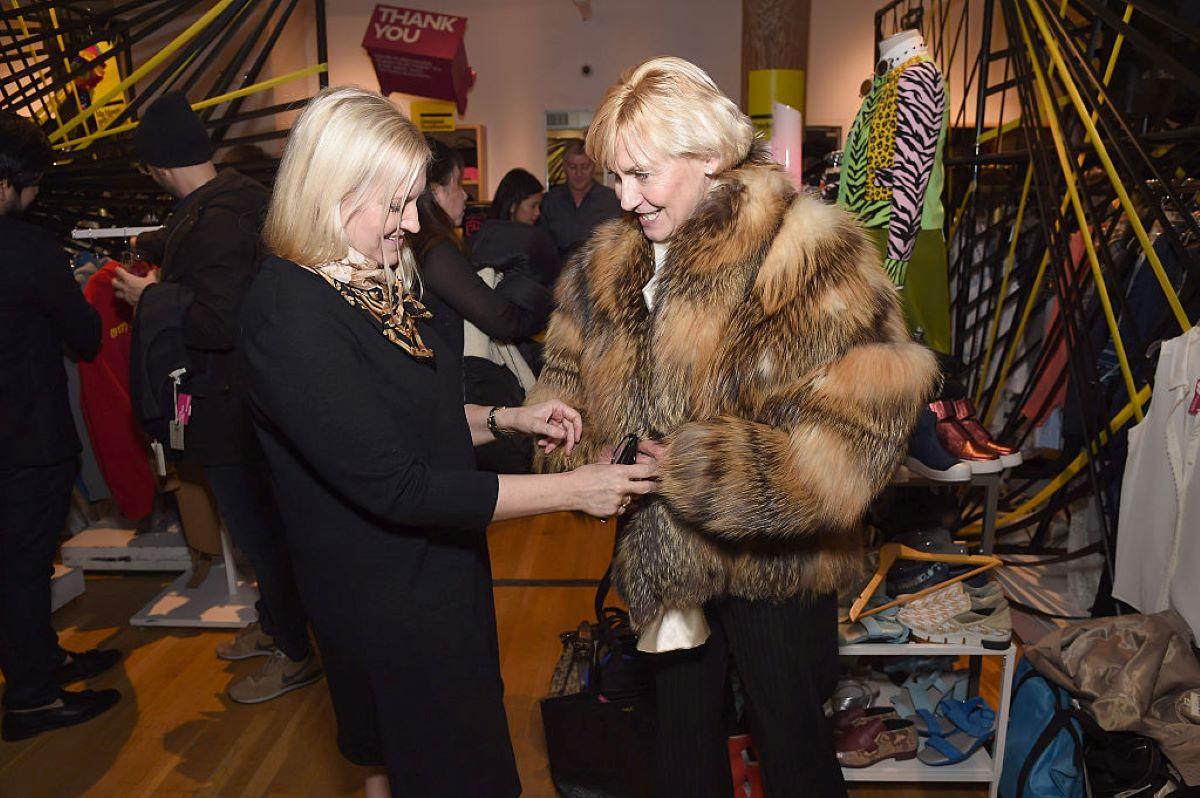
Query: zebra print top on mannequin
{"points": [[892, 168]]}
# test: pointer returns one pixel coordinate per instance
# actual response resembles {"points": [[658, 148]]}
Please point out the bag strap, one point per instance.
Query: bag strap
{"points": [[1062, 720]]}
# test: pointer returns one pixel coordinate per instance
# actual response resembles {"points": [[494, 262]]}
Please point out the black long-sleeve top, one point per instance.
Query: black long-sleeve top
{"points": [[42, 311], [518, 307]]}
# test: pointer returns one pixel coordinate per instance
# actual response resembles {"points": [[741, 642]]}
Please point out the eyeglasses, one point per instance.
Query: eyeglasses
{"points": [[142, 168]]}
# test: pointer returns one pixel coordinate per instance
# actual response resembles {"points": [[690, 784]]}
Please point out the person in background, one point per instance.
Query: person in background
{"points": [[358, 403], [510, 229], [517, 308], [572, 211], [42, 312], [212, 245]]}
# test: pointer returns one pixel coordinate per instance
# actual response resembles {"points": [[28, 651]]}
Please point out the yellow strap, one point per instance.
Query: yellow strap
{"points": [[143, 70], [1031, 505], [994, 401], [1102, 152], [233, 95], [1064, 164]]}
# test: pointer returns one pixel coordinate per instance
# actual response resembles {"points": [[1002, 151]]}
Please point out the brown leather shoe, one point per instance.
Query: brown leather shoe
{"points": [[844, 719], [965, 413], [876, 740], [959, 442]]}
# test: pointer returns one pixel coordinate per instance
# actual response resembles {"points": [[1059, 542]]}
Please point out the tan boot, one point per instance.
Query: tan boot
{"points": [[276, 676], [250, 642]]}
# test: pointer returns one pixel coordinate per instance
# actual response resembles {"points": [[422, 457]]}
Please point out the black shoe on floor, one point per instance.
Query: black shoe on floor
{"points": [[71, 709], [85, 664]]}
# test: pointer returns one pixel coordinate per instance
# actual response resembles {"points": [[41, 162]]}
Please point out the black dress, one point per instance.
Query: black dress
{"points": [[385, 516]]}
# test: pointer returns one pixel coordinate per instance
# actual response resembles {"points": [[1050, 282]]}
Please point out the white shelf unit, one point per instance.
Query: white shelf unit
{"points": [[982, 766]]}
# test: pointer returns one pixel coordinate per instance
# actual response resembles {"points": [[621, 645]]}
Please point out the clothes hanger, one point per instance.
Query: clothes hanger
{"points": [[890, 552]]}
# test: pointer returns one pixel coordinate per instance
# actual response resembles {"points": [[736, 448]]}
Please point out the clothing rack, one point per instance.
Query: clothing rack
{"points": [[87, 233]]}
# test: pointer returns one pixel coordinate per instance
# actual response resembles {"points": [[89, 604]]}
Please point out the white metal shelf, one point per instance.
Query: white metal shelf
{"points": [[980, 767], [921, 649]]}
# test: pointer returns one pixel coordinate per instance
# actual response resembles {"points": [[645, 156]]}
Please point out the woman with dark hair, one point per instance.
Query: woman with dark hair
{"points": [[518, 198], [517, 308], [488, 315], [510, 230]]}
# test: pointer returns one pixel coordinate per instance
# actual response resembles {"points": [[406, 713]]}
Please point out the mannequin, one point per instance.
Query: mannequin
{"points": [[899, 47], [892, 179]]}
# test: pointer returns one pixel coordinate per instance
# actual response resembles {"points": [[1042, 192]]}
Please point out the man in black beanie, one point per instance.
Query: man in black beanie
{"points": [[42, 313], [211, 245]]}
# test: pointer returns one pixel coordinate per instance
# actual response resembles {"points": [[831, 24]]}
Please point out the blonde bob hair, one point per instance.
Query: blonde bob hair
{"points": [[350, 146], [669, 107]]}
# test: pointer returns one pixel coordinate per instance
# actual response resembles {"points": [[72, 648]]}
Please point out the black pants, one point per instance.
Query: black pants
{"points": [[33, 508], [786, 657], [247, 504]]}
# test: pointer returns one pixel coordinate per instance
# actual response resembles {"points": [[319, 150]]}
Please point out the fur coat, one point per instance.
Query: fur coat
{"points": [[775, 366]]}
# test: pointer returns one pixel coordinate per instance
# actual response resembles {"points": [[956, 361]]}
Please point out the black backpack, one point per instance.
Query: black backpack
{"points": [[156, 353]]}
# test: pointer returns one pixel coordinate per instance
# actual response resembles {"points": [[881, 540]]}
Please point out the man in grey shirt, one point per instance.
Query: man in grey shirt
{"points": [[571, 211]]}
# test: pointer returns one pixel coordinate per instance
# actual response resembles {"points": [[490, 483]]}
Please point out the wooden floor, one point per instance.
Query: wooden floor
{"points": [[175, 734]]}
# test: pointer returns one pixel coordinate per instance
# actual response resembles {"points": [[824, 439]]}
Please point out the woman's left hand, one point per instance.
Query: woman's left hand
{"points": [[553, 423]]}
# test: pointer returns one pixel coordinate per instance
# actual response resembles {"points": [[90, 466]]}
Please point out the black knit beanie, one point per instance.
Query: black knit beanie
{"points": [[170, 134]]}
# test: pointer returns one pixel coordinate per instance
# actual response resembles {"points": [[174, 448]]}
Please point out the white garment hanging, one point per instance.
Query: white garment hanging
{"points": [[674, 628], [1158, 526], [477, 343]]}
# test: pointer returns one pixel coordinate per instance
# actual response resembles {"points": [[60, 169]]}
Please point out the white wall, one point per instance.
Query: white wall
{"points": [[528, 54], [840, 56]]}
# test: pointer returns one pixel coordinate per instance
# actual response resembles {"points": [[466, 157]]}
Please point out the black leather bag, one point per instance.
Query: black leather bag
{"points": [[600, 740], [600, 716]]}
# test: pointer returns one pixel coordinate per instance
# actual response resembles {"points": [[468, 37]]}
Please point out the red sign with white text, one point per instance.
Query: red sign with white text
{"points": [[419, 52]]}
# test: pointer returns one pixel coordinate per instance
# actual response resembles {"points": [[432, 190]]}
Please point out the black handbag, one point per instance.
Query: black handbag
{"points": [[600, 716]]}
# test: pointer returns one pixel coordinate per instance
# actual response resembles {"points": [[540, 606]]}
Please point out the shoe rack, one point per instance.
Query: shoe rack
{"points": [[990, 483], [983, 766]]}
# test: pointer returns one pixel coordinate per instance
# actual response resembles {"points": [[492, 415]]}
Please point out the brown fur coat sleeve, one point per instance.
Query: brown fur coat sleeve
{"points": [[560, 373], [819, 442]]}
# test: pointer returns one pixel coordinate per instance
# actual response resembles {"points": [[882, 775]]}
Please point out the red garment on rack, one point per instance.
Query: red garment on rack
{"points": [[117, 440], [1035, 407]]}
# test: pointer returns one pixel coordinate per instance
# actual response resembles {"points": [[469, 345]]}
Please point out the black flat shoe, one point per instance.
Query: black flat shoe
{"points": [[70, 710], [86, 664]]}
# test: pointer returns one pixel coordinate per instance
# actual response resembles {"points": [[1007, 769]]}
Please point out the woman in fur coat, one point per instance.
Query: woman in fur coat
{"points": [[748, 334]]}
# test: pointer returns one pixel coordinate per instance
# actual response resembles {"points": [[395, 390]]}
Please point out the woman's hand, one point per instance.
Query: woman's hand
{"points": [[605, 490], [553, 423]]}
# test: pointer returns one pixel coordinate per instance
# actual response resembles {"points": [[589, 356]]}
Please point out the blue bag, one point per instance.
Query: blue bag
{"points": [[1043, 755]]}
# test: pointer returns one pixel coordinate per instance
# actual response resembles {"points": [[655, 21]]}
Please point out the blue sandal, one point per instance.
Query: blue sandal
{"points": [[872, 629], [974, 717], [916, 704], [951, 750]]}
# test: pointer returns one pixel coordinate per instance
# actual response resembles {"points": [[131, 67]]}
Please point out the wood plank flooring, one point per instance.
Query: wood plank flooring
{"points": [[175, 734]]}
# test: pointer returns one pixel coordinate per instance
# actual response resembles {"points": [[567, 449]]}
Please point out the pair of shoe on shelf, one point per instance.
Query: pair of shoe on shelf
{"points": [[936, 705], [69, 708], [949, 444], [961, 614], [955, 729]]}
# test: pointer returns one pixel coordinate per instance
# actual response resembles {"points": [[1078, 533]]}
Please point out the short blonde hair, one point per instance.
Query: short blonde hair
{"points": [[347, 144], [669, 107]]}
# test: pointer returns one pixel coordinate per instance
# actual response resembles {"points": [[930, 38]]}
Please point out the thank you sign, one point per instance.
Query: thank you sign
{"points": [[419, 52]]}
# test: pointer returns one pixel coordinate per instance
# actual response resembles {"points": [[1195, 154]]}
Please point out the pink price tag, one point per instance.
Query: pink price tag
{"points": [[183, 408], [1194, 408]]}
